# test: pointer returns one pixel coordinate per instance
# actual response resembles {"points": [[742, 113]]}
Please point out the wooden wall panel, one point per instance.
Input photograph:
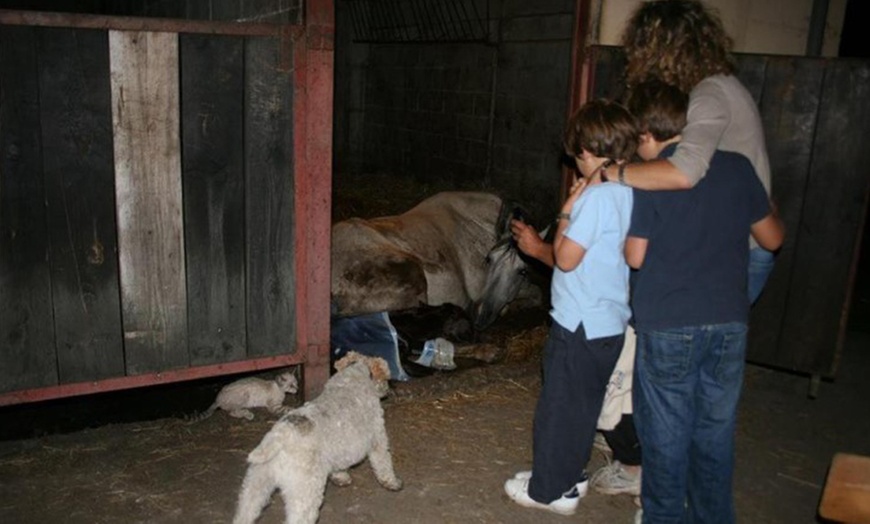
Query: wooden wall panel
{"points": [[789, 108], [212, 80], [145, 112], [269, 197], [27, 357], [75, 109], [832, 216], [752, 72]]}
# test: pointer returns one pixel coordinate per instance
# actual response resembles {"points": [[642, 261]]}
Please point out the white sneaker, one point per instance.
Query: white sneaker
{"points": [[518, 491], [614, 479], [582, 487]]}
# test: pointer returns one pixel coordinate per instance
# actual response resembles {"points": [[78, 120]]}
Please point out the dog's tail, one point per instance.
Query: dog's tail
{"points": [[279, 436]]}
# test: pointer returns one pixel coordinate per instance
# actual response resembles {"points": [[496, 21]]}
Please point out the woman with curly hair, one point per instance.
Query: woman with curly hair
{"points": [[683, 43]]}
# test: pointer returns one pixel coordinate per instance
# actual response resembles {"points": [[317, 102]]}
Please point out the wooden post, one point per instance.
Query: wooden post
{"points": [[312, 111]]}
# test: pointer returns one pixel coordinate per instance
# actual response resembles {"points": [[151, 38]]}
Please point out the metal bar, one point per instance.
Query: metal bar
{"points": [[816, 35], [127, 23], [399, 15], [377, 24], [582, 75], [483, 23], [148, 379], [446, 21], [365, 21], [418, 19], [357, 20], [392, 21], [462, 21]]}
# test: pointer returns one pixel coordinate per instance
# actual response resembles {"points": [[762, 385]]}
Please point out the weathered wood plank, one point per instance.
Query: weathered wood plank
{"points": [[76, 116], [789, 111], [26, 337], [831, 219], [212, 80], [752, 72], [269, 200], [145, 114]]}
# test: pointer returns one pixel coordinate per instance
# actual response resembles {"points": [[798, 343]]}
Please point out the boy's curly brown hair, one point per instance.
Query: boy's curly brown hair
{"points": [[679, 42]]}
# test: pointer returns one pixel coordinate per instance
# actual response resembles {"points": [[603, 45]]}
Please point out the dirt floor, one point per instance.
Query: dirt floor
{"points": [[456, 437]]}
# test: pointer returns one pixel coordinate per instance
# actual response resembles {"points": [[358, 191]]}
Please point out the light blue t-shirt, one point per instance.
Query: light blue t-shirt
{"points": [[596, 291]]}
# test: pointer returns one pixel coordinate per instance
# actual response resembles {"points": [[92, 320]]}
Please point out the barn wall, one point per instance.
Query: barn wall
{"points": [[165, 208], [466, 114], [273, 11]]}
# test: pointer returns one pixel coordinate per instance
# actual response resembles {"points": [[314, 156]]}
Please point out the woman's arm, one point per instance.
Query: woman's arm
{"points": [[706, 121], [635, 251]]}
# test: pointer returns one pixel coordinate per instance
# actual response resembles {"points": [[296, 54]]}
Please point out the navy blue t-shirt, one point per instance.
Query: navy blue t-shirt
{"points": [[695, 268]]}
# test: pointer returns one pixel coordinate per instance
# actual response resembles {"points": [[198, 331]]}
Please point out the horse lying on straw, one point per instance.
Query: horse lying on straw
{"points": [[452, 248]]}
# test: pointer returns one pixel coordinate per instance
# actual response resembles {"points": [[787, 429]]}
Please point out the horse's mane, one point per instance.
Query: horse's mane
{"points": [[510, 209]]}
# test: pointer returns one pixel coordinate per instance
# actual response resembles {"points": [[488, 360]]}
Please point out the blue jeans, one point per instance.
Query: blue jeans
{"points": [[760, 266], [686, 386]]}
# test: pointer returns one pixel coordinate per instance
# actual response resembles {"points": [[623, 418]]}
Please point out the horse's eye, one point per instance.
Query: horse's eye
{"points": [[524, 272], [487, 260]]}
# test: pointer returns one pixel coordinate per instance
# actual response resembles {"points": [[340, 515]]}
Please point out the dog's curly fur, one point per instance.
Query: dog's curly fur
{"points": [[320, 441]]}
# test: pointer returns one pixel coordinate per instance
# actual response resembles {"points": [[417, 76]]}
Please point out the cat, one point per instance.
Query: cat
{"points": [[238, 397]]}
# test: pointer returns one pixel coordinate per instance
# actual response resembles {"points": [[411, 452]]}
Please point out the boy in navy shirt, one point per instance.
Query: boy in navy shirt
{"points": [[691, 309]]}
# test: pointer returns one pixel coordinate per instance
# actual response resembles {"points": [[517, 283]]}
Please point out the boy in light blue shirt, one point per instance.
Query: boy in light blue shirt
{"points": [[590, 312]]}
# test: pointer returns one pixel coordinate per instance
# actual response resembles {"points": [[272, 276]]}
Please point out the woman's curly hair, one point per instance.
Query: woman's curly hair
{"points": [[679, 42]]}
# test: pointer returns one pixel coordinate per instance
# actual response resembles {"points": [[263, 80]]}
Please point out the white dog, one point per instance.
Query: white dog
{"points": [[320, 441]]}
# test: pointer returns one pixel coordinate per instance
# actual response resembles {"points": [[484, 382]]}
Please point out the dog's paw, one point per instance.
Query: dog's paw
{"points": [[340, 478], [393, 484]]}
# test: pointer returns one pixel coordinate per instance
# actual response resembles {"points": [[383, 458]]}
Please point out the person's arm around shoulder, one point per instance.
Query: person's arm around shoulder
{"points": [[707, 118], [652, 175], [769, 232]]}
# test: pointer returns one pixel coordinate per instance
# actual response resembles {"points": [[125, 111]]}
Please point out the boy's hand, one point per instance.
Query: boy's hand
{"points": [[574, 193], [526, 237]]}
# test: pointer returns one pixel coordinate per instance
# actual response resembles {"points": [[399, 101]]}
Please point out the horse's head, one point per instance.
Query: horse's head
{"points": [[505, 271]]}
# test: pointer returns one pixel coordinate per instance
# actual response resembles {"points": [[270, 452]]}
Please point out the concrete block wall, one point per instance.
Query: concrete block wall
{"points": [[466, 115]]}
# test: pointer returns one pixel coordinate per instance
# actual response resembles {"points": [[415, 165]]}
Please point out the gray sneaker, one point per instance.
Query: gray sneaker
{"points": [[614, 479], [600, 443]]}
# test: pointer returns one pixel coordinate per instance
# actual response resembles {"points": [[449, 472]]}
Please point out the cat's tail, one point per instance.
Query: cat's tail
{"points": [[199, 417]]}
